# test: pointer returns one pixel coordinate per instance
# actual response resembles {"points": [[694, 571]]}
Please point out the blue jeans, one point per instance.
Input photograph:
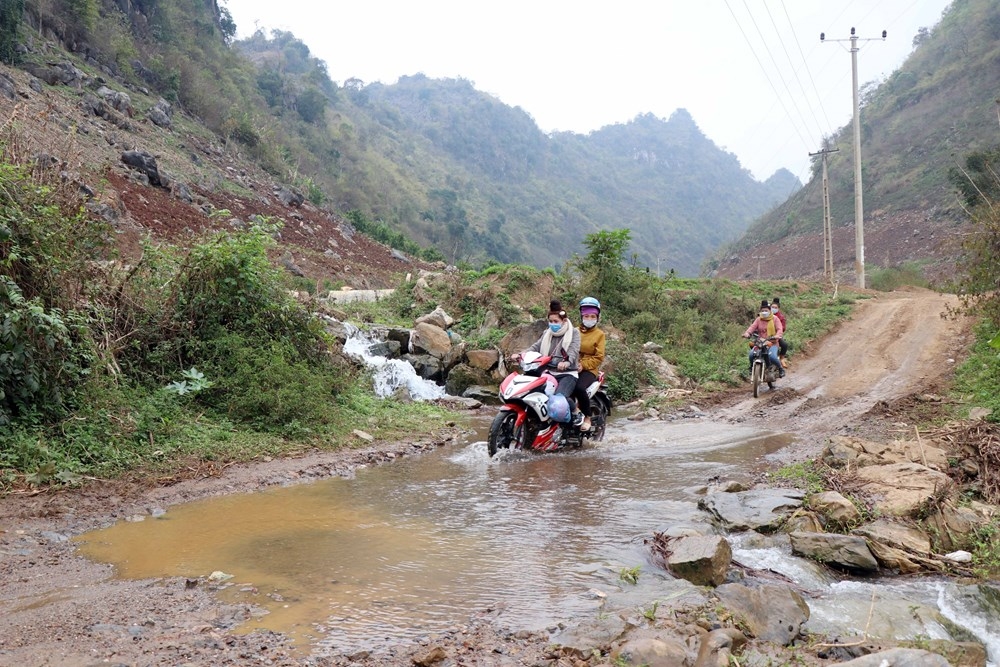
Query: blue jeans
{"points": [[772, 356]]}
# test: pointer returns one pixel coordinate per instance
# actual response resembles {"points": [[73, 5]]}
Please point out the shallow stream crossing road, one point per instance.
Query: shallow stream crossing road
{"points": [[895, 344]]}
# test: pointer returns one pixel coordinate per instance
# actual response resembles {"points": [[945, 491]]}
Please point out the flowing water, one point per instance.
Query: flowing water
{"points": [[388, 374], [406, 549], [413, 547]]}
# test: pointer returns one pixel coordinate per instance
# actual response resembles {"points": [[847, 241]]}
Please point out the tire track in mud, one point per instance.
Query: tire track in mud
{"points": [[895, 344]]}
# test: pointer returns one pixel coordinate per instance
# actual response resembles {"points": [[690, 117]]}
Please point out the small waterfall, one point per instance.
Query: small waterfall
{"points": [[389, 374]]}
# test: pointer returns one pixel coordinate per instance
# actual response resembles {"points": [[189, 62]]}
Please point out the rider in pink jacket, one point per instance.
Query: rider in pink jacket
{"points": [[767, 326]]}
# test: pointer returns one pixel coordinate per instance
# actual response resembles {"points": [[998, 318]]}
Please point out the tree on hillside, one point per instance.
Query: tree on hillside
{"points": [[603, 266], [10, 19], [311, 105], [979, 185]]}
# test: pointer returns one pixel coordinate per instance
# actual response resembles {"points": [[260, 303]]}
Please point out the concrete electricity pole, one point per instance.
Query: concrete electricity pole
{"points": [[759, 258], [859, 210], [827, 225]]}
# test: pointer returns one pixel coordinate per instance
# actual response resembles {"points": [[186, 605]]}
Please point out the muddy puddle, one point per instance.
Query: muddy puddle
{"points": [[407, 549]]}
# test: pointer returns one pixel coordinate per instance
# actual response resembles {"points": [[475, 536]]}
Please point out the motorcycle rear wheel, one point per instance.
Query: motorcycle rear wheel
{"points": [[503, 433], [598, 420], [755, 372]]}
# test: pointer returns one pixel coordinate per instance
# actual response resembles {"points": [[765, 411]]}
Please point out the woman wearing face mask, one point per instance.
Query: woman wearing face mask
{"points": [[591, 354], [562, 342], [782, 345], [767, 326]]}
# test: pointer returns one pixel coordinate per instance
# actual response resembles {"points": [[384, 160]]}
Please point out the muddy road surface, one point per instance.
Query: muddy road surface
{"points": [[895, 344], [58, 608]]}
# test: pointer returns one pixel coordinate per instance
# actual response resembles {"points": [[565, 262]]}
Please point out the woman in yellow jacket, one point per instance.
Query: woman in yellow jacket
{"points": [[591, 355]]}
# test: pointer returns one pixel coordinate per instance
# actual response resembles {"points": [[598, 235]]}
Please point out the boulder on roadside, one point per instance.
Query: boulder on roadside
{"points": [[899, 657], [520, 338], [842, 451], [760, 509], [145, 164], [484, 360], [661, 369], [486, 395], [463, 376], [429, 339], [642, 648], [426, 366], [896, 535], [772, 613], [904, 489], [845, 552], [837, 512], [456, 355], [703, 560], [954, 527], [802, 520], [438, 317]]}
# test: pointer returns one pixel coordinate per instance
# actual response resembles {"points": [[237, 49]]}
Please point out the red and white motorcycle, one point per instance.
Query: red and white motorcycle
{"points": [[525, 420]]}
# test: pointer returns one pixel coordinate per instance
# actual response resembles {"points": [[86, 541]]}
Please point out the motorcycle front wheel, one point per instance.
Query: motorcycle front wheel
{"points": [[503, 432], [755, 377]]}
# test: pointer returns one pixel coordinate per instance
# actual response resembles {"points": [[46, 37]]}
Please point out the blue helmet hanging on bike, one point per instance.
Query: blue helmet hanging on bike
{"points": [[558, 408]]}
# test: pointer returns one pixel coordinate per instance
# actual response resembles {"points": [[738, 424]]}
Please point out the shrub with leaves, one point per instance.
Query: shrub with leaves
{"points": [[40, 359]]}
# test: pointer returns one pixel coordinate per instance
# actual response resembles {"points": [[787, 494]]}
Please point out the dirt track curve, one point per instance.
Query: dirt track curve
{"points": [[895, 344]]}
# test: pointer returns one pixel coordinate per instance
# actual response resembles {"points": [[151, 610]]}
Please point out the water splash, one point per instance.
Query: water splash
{"points": [[973, 607], [389, 374]]}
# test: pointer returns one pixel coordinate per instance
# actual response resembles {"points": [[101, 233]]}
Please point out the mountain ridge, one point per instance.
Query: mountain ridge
{"points": [[449, 166]]}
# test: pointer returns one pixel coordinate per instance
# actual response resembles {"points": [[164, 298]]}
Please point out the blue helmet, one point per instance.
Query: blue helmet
{"points": [[589, 301]]}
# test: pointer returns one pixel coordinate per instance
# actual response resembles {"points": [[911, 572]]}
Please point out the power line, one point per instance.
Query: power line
{"points": [[766, 76], [805, 95], [774, 62], [819, 98]]}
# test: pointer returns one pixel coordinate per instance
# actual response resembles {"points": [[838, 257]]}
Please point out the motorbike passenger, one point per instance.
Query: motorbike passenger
{"points": [[767, 326], [782, 343], [561, 341], [592, 341]]}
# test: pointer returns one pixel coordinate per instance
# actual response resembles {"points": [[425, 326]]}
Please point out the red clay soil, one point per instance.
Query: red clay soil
{"points": [[315, 241]]}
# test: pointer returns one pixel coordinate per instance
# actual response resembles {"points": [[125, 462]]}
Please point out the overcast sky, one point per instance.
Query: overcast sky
{"points": [[752, 73]]}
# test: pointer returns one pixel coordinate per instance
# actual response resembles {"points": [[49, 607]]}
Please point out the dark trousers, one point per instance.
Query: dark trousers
{"points": [[567, 383], [580, 394], [782, 347]]}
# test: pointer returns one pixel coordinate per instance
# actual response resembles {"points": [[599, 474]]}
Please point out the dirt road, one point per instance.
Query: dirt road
{"points": [[57, 608], [894, 345]]}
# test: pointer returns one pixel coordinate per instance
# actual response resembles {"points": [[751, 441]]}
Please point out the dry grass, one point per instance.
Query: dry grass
{"points": [[981, 440]]}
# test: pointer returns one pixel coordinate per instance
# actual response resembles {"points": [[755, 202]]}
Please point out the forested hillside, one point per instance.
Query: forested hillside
{"points": [[917, 126], [452, 168]]}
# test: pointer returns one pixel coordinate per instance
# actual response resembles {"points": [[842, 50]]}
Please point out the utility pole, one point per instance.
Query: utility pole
{"points": [[759, 258], [827, 226], [859, 210]]}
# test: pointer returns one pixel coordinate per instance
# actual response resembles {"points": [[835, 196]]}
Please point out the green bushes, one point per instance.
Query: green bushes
{"points": [[894, 277], [10, 19], [91, 350], [270, 386], [42, 356], [979, 375]]}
